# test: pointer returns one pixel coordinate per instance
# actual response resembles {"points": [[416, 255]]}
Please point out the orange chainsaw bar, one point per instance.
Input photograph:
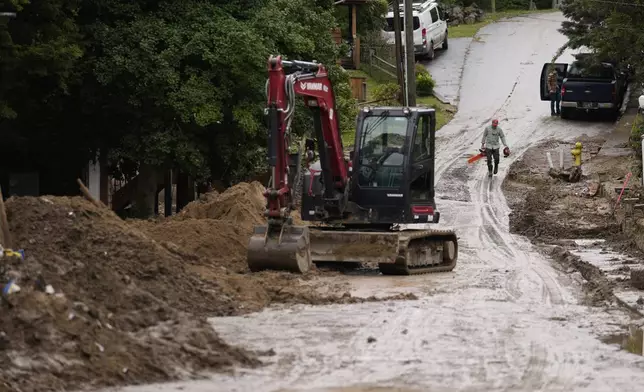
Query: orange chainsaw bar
{"points": [[476, 157]]}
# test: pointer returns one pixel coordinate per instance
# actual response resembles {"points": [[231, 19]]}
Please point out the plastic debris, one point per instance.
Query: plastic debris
{"points": [[6, 252], [49, 289], [100, 347], [10, 288]]}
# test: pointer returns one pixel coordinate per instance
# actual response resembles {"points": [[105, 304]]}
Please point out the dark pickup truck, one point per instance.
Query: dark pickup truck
{"points": [[587, 87]]}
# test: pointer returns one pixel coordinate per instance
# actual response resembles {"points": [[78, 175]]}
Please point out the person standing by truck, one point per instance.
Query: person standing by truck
{"points": [[555, 92], [490, 143]]}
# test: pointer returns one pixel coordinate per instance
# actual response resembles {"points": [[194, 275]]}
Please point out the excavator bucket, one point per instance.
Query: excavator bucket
{"points": [[274, 248]]}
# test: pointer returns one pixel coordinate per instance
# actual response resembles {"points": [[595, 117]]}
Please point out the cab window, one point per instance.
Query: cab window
{"points": [[421, 140], [434, 13]]}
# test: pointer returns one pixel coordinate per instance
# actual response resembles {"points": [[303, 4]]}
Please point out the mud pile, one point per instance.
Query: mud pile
{"points": [[217, 227], [216, 230], [547, 209], [115, 314]]}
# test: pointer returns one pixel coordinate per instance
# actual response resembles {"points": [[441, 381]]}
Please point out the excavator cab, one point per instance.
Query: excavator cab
{"points": [[393, 161], [391, 167]]}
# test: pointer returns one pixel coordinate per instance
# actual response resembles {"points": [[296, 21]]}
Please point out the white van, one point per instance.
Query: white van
{"points": [[430, 28]]}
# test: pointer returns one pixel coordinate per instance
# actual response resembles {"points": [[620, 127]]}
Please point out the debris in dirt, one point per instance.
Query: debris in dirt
{"points": [[593, 188], [637, 278], [571, 175], [266, 353], [371, 339]]}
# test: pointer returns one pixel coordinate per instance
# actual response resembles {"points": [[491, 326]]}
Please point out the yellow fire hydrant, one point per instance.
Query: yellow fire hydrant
{"points": [[576, 154]]}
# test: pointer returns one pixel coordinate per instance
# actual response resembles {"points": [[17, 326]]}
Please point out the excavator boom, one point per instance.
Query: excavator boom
{"points": [[280, 244]]}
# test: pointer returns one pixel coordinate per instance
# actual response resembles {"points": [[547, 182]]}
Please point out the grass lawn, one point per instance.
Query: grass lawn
{"points": [[444, 112], [465, 30]]}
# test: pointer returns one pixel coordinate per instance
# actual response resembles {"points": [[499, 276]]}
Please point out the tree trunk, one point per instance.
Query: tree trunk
{"points": [[146, 191]]}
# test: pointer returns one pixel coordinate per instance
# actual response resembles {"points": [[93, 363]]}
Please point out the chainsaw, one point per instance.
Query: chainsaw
{"points": [[478, 156], [481, 154]]}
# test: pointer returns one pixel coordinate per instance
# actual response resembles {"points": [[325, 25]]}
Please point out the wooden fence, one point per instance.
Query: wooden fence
{"points": [[379, 62]]}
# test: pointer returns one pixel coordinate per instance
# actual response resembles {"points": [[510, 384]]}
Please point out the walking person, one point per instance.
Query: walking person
{"points": [[490, 143], [555, 92]]}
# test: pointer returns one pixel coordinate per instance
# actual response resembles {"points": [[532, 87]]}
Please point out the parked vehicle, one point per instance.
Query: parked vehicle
{"points": [[430, 28], [587, 86]]}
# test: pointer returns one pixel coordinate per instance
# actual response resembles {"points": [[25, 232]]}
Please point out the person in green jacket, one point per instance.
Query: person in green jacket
{"points": [[490, 143]]}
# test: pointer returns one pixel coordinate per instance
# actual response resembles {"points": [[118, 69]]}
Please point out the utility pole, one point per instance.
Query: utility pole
{"points": [[400, 71], [410, 60], [493, 3]]}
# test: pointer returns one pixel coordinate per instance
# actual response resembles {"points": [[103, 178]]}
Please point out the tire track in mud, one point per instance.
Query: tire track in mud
{"points": [[483, 196]]}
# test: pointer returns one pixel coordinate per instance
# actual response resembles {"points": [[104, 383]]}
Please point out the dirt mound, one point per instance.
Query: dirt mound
{"points": [[242, 204], [116, 315], [216, 228], [217, 242]]}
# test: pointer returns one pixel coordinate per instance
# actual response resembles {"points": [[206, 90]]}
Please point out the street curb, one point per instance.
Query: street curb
{"points": [[441, 98], [460, 76]]}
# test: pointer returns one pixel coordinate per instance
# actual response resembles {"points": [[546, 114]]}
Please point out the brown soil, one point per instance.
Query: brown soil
{"points": [[117, 315], [131, 297], [545, 208], [553, 211]]}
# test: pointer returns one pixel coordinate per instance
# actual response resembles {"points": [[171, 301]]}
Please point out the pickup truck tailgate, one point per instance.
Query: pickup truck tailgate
{"points": [[588, 91]]}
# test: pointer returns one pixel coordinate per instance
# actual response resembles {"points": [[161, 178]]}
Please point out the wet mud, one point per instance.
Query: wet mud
{"points": [[103, 301]]}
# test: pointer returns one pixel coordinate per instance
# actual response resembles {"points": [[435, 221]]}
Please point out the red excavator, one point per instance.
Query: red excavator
{"points": [[364, 206]]}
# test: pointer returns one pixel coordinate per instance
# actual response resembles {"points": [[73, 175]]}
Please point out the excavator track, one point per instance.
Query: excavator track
{"points": [[424, 252], [410, 252]]}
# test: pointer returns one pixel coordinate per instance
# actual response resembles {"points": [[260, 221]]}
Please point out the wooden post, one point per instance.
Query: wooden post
{"points": [[105, 178], [6, 235], [185, 190], [400, 73], [354, 42], [409, 45], [167, 193]]}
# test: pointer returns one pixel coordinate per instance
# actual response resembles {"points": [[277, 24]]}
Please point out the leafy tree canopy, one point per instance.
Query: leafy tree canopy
{"points": [[612, 30], [170, 82]]}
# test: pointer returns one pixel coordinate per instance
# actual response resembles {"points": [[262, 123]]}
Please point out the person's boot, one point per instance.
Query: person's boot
{"points": [[496, 168], [489, 173]]}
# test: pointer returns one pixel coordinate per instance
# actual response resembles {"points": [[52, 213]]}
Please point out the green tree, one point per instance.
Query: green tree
{"points": [[613, 30]]}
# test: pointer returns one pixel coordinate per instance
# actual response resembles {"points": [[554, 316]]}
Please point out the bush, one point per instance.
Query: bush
{"points": [[424, 84], [421, 70], [386, 94]]}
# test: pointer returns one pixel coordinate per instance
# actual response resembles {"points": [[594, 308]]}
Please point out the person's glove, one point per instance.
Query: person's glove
{"points": [[506, 151]]}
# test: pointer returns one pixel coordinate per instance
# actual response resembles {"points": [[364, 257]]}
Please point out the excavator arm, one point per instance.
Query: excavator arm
{"points": [[280, 244], [309, 80]]}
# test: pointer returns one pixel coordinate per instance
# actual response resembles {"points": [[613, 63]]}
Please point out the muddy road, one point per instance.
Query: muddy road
{"points": [[504, 320]]}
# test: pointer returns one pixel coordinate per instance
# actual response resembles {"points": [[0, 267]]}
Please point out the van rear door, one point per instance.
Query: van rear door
{"points": [[388, 32]]}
